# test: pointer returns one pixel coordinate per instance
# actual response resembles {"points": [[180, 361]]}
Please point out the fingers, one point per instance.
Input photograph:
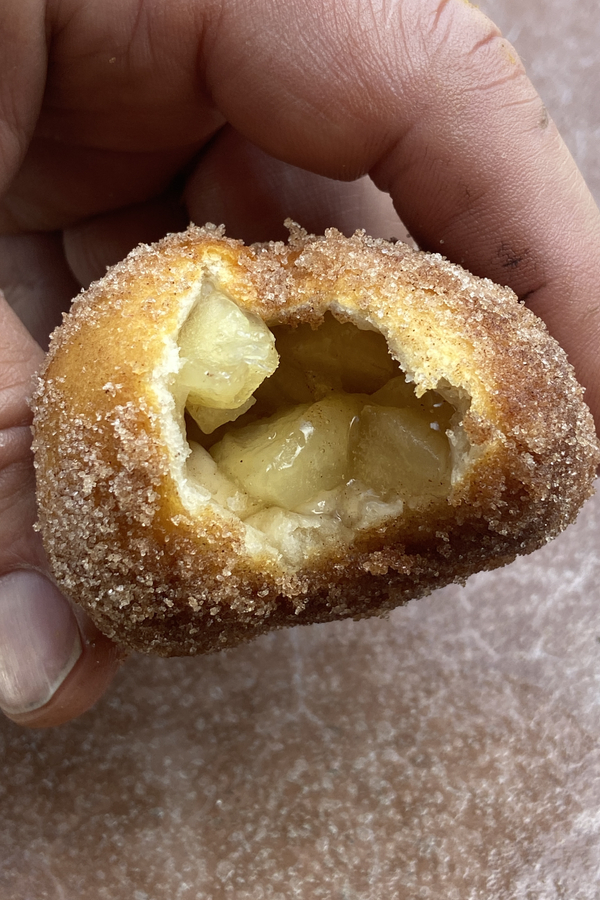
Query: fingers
{"points": [[51, 666], [252, 193], [431, 100], [423, 94], [54, 665], [104, 240], [60, 185], [123, 111], [22, 79], [239, 185], [36, 281]]}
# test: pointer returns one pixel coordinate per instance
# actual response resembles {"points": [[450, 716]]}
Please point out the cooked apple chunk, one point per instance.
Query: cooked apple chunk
{"points": [[208, 419], [287, 459], [336, 411], [431, 406], [397, 453], [203, 469], [336, 356], [228, 352]]}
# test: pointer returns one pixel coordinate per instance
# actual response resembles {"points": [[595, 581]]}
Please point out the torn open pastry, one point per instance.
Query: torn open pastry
{"points": [[230, 439]]}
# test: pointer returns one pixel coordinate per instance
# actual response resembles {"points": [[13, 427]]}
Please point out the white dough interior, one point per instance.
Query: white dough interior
{"points": [[306, 435]]}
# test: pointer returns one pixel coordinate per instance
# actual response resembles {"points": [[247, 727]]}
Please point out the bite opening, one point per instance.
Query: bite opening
{"points": [[309, 433]]}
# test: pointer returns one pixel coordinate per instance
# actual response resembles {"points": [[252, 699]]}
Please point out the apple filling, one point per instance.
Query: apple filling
{"points": [[298, 430]]}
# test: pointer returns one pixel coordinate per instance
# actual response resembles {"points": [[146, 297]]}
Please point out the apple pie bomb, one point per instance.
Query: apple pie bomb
{"points": [[230, 439]]}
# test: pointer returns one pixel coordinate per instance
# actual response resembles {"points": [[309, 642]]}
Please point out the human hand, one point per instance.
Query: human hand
{"points": [[111, 112]]}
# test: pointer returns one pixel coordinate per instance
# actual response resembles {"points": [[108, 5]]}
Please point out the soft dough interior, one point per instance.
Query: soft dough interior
{"points": [[307, 434]]}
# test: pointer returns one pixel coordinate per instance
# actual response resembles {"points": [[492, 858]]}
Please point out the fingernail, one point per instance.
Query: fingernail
{"points": [[39, 641]]}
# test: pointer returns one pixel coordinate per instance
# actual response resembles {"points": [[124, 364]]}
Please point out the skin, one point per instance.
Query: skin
{"points": [[121, 119]]}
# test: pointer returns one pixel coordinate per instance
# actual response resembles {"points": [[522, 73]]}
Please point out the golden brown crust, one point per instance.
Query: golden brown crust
{"points": [[157, 578]]}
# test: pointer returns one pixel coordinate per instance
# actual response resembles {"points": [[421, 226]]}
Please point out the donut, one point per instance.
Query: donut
{"points": [[230, 439]]}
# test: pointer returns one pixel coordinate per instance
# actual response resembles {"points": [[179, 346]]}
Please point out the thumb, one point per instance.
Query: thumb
{"points": [[53, 663]]}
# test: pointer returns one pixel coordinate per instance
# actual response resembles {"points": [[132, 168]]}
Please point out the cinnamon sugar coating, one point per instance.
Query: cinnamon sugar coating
{"points": [[162, 568]]}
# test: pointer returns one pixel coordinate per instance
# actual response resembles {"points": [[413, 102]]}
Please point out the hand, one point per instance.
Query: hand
{"points": [[246, 111]]}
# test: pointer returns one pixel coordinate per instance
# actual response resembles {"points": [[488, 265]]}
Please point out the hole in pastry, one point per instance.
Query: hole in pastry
{"points": [[307, 433]]}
